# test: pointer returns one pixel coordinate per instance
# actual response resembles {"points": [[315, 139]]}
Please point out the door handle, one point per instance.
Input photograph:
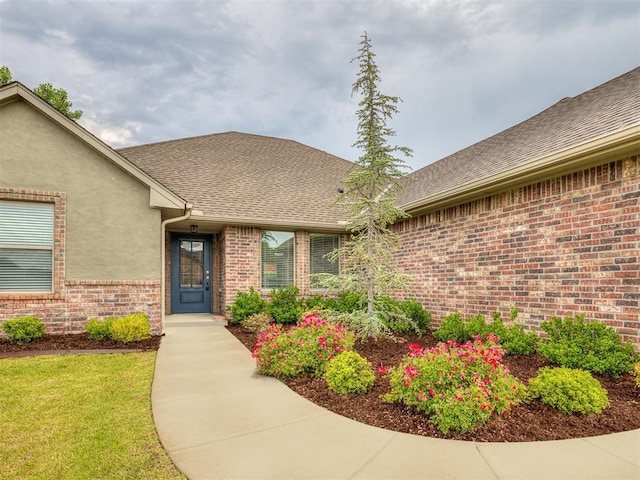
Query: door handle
{"points": [[207, 279]]}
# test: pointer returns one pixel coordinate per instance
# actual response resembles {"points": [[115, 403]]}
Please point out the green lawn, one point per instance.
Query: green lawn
{"points": [[80, 417]]}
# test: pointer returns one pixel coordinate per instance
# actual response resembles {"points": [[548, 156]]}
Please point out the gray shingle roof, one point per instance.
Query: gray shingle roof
{"points": [[605, 109], [244, 176]]}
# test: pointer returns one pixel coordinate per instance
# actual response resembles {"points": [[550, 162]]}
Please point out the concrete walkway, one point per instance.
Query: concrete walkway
{"points": [[217, 419]]}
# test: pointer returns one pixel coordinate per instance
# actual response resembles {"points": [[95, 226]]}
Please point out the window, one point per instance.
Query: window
{"points": [[319, 246], [26, 246], [277, 259]]}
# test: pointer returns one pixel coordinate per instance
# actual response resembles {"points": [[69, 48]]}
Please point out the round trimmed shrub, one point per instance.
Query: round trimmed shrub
{"points": [[569, 390], [349, 372], [23, 329]]}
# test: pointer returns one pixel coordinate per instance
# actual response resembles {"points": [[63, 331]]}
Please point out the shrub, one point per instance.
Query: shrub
{"points": [[23, 329], [458, 385], [130, 328], [569, 390], [258, 322], [591, 346], [304, 349], [99, 330], [317, 302], [285, 306], [349, 372], [514, 338], [349, 302], [636, 371], [416, 312], [246, 304], [454, 328]]}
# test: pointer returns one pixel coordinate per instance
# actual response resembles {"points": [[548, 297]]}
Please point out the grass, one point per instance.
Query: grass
{"points": [[80, 416]]}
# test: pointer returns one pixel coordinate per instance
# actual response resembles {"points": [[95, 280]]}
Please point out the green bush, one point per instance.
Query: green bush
{"points": [[130, 328], [349, 302], [317, 302], [258, 322], [591, 346], [459, 386], [23, 329], [247, 304], [569, 390], [455, 328], [416, 312], [99, 330], [285, 307], [514, 338], [349, 372], [304, 349], [636, 371]]}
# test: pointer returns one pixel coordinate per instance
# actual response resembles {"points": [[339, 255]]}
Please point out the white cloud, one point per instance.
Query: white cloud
{"points": [[149, 71]]}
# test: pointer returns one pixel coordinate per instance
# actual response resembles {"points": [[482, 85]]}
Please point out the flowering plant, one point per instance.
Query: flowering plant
{"points": [[459, 385], [303, 349]]}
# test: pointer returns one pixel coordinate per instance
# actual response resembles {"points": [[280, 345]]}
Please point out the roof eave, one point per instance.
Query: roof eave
{"points": [[585, 155], [159, 195], [270, 223]]}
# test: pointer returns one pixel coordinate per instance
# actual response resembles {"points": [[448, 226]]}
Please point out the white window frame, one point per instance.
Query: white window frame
{"points": [[27, 226]]}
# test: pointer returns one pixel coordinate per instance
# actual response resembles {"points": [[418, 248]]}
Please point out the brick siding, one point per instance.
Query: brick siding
{"points": [[82, 301], [562, 246]]}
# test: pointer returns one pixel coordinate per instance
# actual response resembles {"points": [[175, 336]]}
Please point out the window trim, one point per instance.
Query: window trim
{"points": [[59, 201]]}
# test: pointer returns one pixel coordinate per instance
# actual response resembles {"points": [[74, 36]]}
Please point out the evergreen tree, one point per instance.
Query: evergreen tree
{"points": [[369, 197]]}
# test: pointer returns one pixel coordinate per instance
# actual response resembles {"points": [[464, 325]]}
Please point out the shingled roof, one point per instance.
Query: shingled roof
{"points": [[608, 108], [240, 176]]}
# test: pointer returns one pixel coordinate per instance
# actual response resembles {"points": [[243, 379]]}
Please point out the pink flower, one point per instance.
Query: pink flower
{"points": [[383, 370]]}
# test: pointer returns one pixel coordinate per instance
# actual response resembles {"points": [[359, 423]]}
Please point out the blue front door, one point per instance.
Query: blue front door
{"points": [[191, 290]]}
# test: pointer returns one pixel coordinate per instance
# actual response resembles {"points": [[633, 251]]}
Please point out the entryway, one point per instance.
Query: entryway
{"points": [[191, 273]]}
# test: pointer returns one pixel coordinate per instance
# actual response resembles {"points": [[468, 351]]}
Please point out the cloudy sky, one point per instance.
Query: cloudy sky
{"points": [[147, 71]]}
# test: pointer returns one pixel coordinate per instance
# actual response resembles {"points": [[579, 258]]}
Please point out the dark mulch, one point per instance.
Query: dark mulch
{"points": [[526, 422], [73, 342]]}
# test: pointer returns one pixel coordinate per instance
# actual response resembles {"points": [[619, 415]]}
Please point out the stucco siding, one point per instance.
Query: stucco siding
{"points": [[111, 232]]}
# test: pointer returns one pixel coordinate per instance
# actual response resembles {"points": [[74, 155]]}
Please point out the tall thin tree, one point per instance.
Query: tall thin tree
{"points": [[370, 194]]}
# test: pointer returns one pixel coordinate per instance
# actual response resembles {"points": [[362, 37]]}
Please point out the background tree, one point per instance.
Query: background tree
{"points": [[58, 99], [369, 198], [5, 75]]}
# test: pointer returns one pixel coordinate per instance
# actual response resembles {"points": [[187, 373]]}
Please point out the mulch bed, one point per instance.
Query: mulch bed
{"points": [[74, 343], [533, 421]]}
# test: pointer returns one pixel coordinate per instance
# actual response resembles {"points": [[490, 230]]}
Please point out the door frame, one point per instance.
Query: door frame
{"points": [[207, 305]]}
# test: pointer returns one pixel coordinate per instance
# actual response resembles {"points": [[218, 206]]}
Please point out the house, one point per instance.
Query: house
{"points": [[544, 216]]}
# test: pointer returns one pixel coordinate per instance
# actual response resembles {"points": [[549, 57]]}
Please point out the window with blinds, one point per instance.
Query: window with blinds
{"points": [[26, 246], [277, 259], [319, 246]]}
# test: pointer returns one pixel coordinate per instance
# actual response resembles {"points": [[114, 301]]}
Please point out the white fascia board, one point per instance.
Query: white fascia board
{"points": [[275, 224]]}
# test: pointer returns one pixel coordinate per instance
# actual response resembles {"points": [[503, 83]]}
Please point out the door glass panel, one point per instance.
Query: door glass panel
{"points": [[191, 263]]}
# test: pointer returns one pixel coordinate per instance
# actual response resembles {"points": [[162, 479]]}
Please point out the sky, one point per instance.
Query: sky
{"points": [[149, 71]]}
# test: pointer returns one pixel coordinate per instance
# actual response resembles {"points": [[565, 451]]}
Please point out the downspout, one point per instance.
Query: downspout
{"points": [[187, 213]]}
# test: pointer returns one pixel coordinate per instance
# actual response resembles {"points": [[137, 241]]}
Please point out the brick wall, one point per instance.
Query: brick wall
{"points": [[239, 249], [81, 301], [557, 247], [240, 263]]}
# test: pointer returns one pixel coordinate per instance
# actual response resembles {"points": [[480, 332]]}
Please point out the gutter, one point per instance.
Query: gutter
{"points": [[187, 214]]}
